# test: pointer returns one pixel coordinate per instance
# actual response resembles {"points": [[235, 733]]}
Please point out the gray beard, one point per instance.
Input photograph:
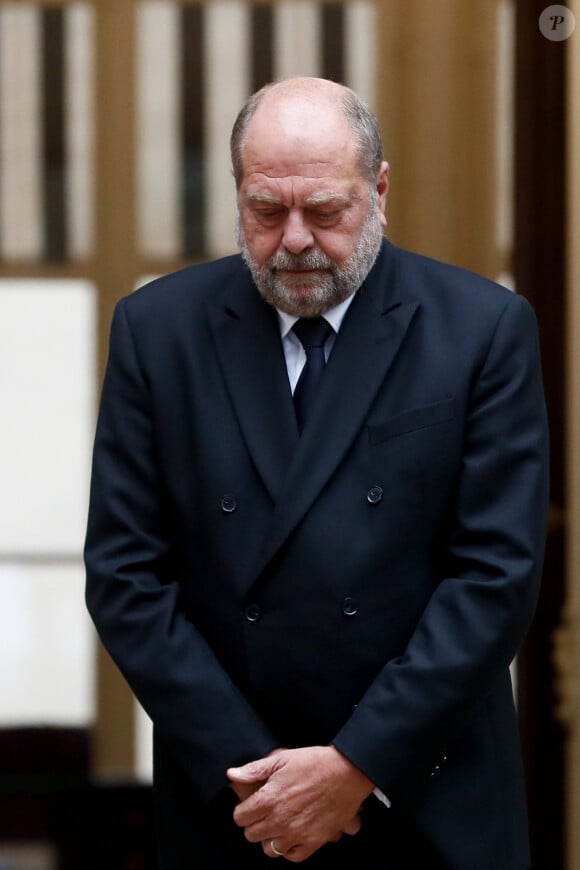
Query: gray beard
{"points": [[315, 292]]}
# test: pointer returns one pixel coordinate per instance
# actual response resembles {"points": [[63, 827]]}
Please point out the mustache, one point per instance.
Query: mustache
{"points": [[282, 260]]}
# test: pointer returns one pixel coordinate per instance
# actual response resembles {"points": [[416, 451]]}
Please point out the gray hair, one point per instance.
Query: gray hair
{"points": [[361, 120]]}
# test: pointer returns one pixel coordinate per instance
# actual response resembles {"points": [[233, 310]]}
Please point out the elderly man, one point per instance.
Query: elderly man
{"points": [[317, 522]]}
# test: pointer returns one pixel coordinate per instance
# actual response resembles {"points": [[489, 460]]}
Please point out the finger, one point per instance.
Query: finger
{"points": [[299, 853], [274, 848], [254, 771], [353, 827], [251, 810], [249, 813], [258, 834], [244, 790]]}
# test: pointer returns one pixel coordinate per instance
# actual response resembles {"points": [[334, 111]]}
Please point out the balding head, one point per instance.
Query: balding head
{"points": [[313, 101]]}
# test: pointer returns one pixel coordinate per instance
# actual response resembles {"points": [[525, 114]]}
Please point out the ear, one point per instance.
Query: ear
{"points": [[382, 190]]}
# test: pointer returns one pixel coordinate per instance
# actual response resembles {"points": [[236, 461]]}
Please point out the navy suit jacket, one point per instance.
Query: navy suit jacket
{"points": [[366, 585]]}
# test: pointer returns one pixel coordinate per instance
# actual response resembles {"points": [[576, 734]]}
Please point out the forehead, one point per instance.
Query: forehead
{"points": [[300, 143]]}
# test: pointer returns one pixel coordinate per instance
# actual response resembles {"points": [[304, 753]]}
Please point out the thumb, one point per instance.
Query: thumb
{"points": [[254, 771]]}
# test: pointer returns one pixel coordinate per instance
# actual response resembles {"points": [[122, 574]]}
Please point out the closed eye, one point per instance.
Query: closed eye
{"points": [[269, 215], [327, 217]]}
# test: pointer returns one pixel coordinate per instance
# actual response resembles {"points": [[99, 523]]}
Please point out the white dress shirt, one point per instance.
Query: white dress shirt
{"points": [[294, 353]]}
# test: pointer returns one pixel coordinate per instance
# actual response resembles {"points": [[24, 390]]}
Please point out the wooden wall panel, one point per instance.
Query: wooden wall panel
{"points": [[436, 100]]}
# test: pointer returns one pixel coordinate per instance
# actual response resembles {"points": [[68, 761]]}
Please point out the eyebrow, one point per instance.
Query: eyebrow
{"points": [[328, 199], [263, 197], [316, 200]]}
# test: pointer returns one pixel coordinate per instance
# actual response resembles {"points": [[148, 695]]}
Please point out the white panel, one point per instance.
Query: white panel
{"points": [[47, 647], [21, 234], [158, 147], [360, 27], [47, 377], [296, 38], [226, 76], [80, 119]]}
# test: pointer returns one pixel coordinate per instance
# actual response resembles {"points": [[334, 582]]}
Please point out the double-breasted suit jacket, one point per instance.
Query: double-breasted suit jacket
{"points": [[366, 584]]}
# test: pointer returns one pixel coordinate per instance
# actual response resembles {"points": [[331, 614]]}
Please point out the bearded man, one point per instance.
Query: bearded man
{"points": [[317, 522]]}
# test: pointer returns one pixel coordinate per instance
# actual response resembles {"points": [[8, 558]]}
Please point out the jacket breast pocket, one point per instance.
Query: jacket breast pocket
{"points": [[412, 420]]}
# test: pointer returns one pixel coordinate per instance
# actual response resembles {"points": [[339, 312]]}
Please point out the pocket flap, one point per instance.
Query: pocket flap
{"points": [[410, 421]]}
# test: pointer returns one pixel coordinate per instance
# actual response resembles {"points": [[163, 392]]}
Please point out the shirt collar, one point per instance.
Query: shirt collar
{"points": [[334, 316]]}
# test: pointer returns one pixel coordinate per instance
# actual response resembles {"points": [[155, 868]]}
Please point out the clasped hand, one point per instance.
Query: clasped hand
{"points": [[299, 799]]}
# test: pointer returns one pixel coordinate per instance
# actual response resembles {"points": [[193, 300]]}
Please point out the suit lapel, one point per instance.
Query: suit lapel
{"points": [[368, 342], [250, 351]]}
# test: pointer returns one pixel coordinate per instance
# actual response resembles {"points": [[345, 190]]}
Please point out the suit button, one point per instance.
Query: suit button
{"points": [[229, 504], [253, 612], [375, 494], [349, 607]]}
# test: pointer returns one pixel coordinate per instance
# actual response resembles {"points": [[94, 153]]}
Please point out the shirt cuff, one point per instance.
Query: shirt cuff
{"points": [[382, 797]]}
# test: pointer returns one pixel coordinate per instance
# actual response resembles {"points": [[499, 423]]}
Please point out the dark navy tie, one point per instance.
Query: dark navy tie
{"points": [[312, 333]]}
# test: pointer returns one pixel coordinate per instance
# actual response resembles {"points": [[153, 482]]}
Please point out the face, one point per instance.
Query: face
{"points": [[310, 225]]}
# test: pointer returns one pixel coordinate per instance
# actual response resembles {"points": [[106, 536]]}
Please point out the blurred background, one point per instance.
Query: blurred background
{"points": [[114, 167]]}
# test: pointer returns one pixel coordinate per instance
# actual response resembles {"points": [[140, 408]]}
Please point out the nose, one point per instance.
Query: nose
{"points": [[297, 235]]}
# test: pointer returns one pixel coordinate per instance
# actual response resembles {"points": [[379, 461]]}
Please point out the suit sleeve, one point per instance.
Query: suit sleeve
{"points": [[133, 599], [409, 718]]}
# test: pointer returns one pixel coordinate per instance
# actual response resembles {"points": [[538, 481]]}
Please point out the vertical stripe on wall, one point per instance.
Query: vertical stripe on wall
{"points": [[21, 229], [505, 24], [52, 85], [193, 191], [360, 48], [79, 64], [296, 38], [158, 125], [261, 46], [332, 38], [2, 120], [227, 83]]}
